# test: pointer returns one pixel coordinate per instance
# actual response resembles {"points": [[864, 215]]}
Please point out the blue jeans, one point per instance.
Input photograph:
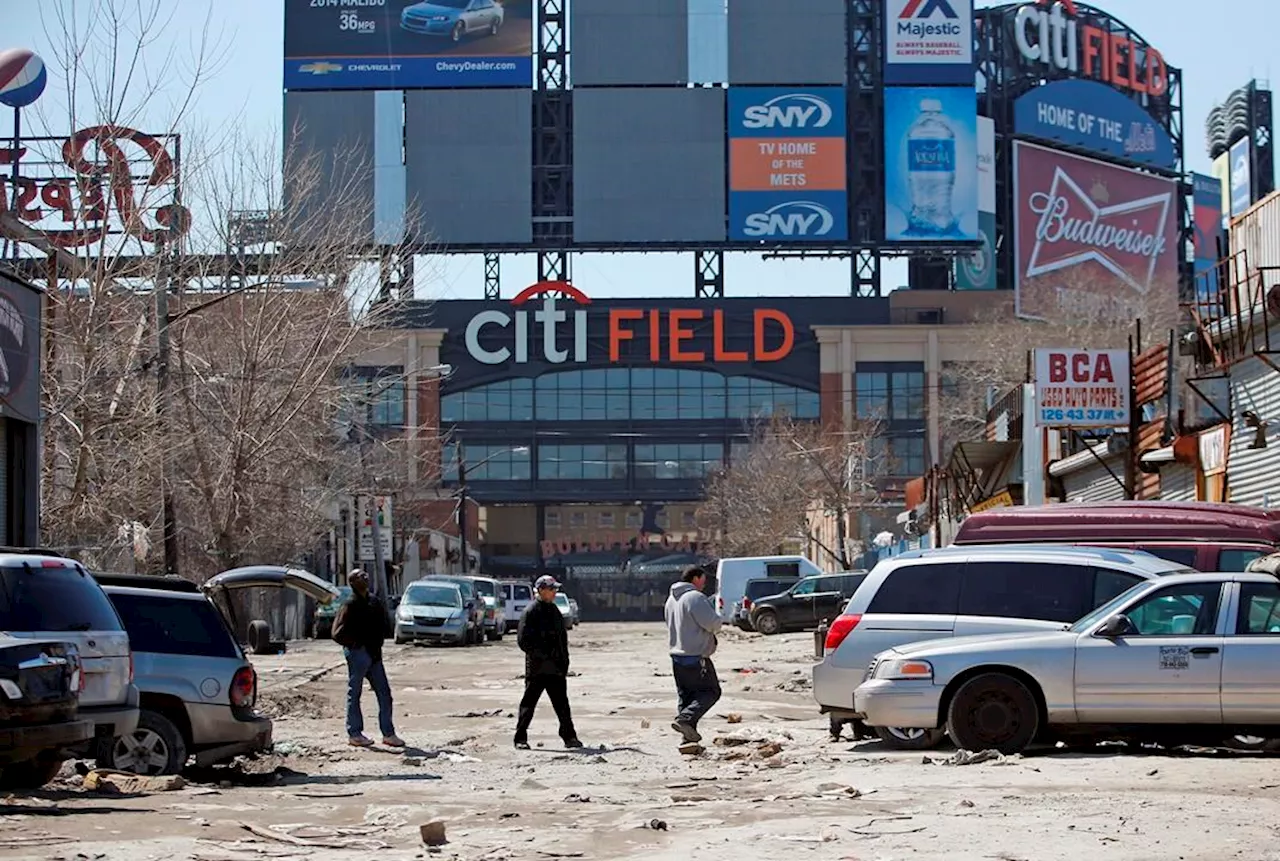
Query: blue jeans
{"points": [[697, 687], [361, 666]]}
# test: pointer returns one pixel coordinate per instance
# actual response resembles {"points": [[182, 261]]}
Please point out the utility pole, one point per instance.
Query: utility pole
{"points": [[379, 560], [168, 516], [462, 505]]}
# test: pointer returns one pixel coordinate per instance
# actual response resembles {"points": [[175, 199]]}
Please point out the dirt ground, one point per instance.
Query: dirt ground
{"points": [[630, 794]]}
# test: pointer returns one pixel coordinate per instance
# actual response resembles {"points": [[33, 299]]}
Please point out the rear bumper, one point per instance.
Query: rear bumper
{"points": [[833, 686], [116, 719], [21, 742], [215, 724]]}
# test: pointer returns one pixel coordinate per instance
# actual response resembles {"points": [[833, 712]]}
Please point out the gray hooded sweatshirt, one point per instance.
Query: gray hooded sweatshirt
{"points": [[692, 622]]}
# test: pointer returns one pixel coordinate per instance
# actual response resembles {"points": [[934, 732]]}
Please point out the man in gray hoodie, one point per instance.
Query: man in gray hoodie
{"points": [[692, 625]]}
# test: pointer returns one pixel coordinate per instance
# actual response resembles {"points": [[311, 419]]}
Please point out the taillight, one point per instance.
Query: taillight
{"points": [[719, 602], [244, 688], [746, 603], [840, 629], [131, 667]]}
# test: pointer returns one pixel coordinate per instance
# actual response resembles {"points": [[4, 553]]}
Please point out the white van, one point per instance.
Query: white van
{"points": [[732, 576]]}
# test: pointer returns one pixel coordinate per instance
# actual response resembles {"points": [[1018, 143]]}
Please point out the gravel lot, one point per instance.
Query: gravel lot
{"points": [[773, 783]]}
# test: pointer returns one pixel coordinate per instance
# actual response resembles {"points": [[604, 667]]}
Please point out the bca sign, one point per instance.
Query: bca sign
{"points": [[1082, 388]]}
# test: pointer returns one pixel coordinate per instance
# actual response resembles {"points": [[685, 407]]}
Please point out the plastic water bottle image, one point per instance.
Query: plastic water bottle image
{"points": [[931, 171]]}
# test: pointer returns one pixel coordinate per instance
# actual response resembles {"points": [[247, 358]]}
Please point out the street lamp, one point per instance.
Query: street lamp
{"points": [[462, 492]]}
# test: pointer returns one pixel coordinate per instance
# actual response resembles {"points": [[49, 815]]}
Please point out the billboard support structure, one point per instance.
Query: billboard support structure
{"points": [[865, 112], [552, 143], [708, 275], [492, 271]]}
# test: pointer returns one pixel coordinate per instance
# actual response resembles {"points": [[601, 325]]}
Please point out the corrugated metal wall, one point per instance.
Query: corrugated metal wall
{"points": [[1178, 483], [1093, 483], [1253, 475], [1256, 234]]}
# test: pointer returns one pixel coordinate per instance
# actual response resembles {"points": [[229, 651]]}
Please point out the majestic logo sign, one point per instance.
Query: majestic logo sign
{"points": [[115, 181], [791, 219], [669, 333], [1085, 228], [928, 42], [917, 18], [790, 111], [1048, 33]]}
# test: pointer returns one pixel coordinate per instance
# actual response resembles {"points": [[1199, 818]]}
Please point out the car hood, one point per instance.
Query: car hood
{"points": [[984, 643], [430, 611], [272, 577]]}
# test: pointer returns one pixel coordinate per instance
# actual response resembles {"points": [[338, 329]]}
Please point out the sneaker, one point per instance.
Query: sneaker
{"points": [[360, 741], [393, 741], [573, 744], [690, 734], [522, 745]]}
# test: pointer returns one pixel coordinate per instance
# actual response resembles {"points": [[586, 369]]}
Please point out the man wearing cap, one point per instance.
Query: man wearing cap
{"points": [[545, 643], [360, 627], [692, 625]]}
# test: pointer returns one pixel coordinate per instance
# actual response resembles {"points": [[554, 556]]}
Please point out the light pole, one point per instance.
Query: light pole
{"points": [[462, 492]]}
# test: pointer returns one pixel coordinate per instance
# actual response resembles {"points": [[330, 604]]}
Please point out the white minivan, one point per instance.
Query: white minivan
{"points": [[732, 576]]}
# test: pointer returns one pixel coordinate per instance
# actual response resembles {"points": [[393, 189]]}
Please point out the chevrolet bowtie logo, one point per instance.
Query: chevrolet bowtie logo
{"points": [[320, 68]]}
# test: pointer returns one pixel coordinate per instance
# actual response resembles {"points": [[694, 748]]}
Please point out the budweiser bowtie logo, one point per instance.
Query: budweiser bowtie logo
{"points": [[1127, 238]]}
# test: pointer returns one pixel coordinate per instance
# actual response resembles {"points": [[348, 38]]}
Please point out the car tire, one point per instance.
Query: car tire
{"points": [[259, 637], [766, 622], [1254, 743], [494, 26], [993, 711], [31, 773], [400, 641], [459, 30], [157, 740], [900, 738], [491, 636]]}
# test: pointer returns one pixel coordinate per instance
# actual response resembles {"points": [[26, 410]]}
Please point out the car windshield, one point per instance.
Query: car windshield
{"points": [[451, 4], [464, 586], [562, 599], [433, 596], [487, 588], [1109, 609]]}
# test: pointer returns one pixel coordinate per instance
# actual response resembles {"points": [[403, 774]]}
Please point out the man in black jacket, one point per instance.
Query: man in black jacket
{"points": [[545, 643], [360, 627]]}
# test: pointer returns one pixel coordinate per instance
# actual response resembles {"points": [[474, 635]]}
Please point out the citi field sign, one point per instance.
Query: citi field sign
{"points": [[1056, 36], [548, 323]]}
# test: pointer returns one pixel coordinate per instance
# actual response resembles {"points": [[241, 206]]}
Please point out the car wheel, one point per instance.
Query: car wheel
{"points": [[500, 633], [1253, 742], [155, 747], [400, 641], [993, 711], [766, 622], [491, 635], [32, 773], [910, 738], [459, 30]]}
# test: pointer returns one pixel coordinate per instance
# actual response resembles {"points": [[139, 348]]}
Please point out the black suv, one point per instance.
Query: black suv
{"points": [[40, 685], [753, 591], [804, 605]]}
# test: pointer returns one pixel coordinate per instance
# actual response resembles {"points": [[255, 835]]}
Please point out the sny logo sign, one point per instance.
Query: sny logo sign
{"points": [[930, 8], [793, 218], [793, 110]]}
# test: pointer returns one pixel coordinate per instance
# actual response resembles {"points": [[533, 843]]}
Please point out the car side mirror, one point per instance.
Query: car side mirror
{"points": [[1116, 626]]}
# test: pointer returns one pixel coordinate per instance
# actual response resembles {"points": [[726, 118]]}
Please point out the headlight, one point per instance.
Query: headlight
{"points": [[904, 668], [403, 614]]}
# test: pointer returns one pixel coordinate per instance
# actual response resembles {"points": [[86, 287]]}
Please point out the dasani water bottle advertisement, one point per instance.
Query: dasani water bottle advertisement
{"points": [[931, 164]]}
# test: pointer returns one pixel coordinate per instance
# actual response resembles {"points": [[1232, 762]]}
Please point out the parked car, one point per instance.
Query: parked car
{"points": [[432, 612], [964, 591], [40, 684], [495, 612], [1183, 659], [1206, 536], [575, 612], [453, 18], [754, 590], [517, 596], [326, 613], [52, 599], [472, 600], [198, 689], [732, 575], [805, 604], [566, 610]]}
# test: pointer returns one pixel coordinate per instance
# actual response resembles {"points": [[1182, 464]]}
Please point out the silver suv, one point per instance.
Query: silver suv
{"points": [[964, 591], [49, 598], [198, 690]]}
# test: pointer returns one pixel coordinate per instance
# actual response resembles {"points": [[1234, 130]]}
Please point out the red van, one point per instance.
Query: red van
{"points": [[1207, 536]]}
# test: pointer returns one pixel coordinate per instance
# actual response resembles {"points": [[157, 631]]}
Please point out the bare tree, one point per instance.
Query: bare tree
{"points": [[793, 474]]}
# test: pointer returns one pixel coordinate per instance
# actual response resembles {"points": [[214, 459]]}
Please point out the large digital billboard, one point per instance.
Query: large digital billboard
{"points": [[1096, 117], [931, 164], [928, 42], [1090, 238], [1206, 201], [977, 269], [402, 44], [1241, 177], [787, 164]]}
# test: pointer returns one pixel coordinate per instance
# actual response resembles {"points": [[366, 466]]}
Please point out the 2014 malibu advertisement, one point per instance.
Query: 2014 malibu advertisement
{"points": [[931, 164], [396, 44], [1090, 237]]}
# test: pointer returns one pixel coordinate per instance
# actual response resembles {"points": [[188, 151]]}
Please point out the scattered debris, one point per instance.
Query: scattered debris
{"points": [[743, 736], [490, 713], [829, 834], [127, 783], [689, 799], [966, 803], [311, 793], [509, 816], [968, 757], [796, 685], [733, 717], [768, 750], [838, 790], [657, 825], [530, 783], [746, 671], [298, 703], [692, 748], [1153, 772], [575, 798], [433, 833], [336, 839], [644, 723]]}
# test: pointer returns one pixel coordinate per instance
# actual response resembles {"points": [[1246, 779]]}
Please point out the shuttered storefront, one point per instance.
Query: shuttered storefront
{"points": [[1178, 483], [1093, 483], [1253, 475]]}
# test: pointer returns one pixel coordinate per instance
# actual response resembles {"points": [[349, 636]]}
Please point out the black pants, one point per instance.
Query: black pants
{"points": [[697, 688], [557, 690]]}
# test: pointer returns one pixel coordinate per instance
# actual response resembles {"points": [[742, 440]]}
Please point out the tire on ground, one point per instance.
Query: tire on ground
{"points": [[259, 637], [993, 711], [766, 622]]}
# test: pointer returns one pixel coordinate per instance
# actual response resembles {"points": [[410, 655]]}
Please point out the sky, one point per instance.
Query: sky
{"points": [[1218, 50]]}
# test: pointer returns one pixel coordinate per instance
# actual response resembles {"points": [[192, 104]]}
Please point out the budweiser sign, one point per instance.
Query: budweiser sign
{"points": [[1091, 239]]}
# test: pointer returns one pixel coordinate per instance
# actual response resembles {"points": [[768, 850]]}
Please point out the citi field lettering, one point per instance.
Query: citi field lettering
{"points": [[1047, 33]]}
